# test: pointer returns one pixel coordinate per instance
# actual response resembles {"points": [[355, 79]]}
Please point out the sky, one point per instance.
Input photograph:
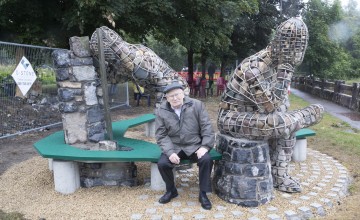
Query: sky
{"points": [[345, 2]]}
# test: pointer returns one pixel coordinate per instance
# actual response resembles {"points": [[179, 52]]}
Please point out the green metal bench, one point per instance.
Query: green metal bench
{"points": [[65, 157]]}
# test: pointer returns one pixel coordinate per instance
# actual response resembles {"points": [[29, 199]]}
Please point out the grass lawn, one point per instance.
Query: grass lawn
{"points": [[337, 139]]}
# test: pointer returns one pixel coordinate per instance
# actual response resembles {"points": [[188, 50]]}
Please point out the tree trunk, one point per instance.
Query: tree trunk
{"points": [[222, 68], [203, 66], [190, 65]]}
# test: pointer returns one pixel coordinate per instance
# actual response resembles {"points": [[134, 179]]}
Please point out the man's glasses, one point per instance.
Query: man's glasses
{"points": [[176, 95]]}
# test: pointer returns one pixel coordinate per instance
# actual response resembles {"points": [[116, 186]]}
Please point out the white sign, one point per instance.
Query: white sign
{"points": [[24, 75]]}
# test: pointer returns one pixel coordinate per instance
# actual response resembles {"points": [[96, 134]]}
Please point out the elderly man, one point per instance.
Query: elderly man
{"points": [[184, 131]]}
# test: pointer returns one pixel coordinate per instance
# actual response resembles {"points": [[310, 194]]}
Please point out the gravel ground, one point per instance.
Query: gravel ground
{"points": [[29, 189], [26, 186]]}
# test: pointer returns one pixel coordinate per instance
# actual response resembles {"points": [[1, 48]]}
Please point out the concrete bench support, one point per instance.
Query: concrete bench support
{"points": [[150, 129], [157, 183], [300, 149], [66, 176]]}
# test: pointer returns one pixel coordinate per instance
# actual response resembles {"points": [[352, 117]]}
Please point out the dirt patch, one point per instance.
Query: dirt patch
{"points": [[17, 115]]}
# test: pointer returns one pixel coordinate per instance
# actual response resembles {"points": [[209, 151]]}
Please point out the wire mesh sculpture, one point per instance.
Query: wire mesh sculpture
{"points": [[255, 102], [145, 66]]}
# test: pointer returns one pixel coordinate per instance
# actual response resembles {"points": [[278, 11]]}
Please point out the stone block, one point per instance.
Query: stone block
{"points": [[76, 61], [66, 94], [74, 128], [62, 74], [68, 107], [96, 132], [95, 114], [274, 217], [80, 46], [260, 154], [291, 215], [61, 58], [90, 93], [242, 156], [107, 145], [71, 85], [234, 168], [84, 73], [305, 212], [318, 208], [256, 170]]}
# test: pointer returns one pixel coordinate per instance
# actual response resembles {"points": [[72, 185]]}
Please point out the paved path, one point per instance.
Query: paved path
{"points": [[324, 182], [330, 107]]}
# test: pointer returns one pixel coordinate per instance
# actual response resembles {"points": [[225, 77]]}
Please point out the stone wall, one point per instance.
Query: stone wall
{"points": [[80, 93]]}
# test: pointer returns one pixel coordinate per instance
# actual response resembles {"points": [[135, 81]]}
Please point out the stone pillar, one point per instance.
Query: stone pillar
{"points": [[243, 176], [80, 93], [83, 115]]}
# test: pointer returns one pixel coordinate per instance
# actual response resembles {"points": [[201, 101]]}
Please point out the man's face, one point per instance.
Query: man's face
{"points": [[175, 97]]}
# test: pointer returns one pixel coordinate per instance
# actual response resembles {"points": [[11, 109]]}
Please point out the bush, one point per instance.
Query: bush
{"points": [[46, 75], [5, 72]]}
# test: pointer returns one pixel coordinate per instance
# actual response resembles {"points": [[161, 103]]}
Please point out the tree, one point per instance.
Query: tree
{"points": [[174, 54], [324, 58], [51, 23], [252, 32], [291, 8], [201, 26]]}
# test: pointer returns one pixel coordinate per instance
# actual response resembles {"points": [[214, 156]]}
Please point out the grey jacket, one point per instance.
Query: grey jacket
{"points": [[188, 133]]}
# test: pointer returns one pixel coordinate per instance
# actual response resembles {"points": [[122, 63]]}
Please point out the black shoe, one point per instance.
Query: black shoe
{"points": [[168, 196], [204, 200]]}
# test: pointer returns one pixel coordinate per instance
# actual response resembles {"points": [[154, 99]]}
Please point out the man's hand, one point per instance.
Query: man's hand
{"points": [[201, 151], [174, 158]]}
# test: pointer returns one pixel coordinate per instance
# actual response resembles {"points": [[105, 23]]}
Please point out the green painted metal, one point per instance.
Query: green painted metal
{"points": [[305, 132], [54, 146]]}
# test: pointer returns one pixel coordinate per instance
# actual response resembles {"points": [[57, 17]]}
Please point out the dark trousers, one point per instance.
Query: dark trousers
{"points": [[205, 165]]}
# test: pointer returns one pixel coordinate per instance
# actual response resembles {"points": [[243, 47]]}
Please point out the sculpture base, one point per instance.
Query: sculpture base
{"points": [[243, 176], [108, 174]]}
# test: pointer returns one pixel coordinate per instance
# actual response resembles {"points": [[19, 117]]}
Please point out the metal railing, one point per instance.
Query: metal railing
{"points": [[39, 109]]}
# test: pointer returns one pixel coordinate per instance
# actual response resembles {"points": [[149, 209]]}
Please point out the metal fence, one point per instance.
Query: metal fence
{"points": [[39, 109]]}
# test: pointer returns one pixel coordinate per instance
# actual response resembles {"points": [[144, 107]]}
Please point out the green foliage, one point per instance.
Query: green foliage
{"points": [[333, 44], [6, 71], [252, 31], [46, 75], [174, 54], [332, 130], [351, 81]]}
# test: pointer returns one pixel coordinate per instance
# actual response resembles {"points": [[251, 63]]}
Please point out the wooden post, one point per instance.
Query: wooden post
{"points": [[20, 52], [355, 96], [104, 85]]}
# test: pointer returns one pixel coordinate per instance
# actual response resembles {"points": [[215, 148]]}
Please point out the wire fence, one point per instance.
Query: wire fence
{"points": [[39, 108]]}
